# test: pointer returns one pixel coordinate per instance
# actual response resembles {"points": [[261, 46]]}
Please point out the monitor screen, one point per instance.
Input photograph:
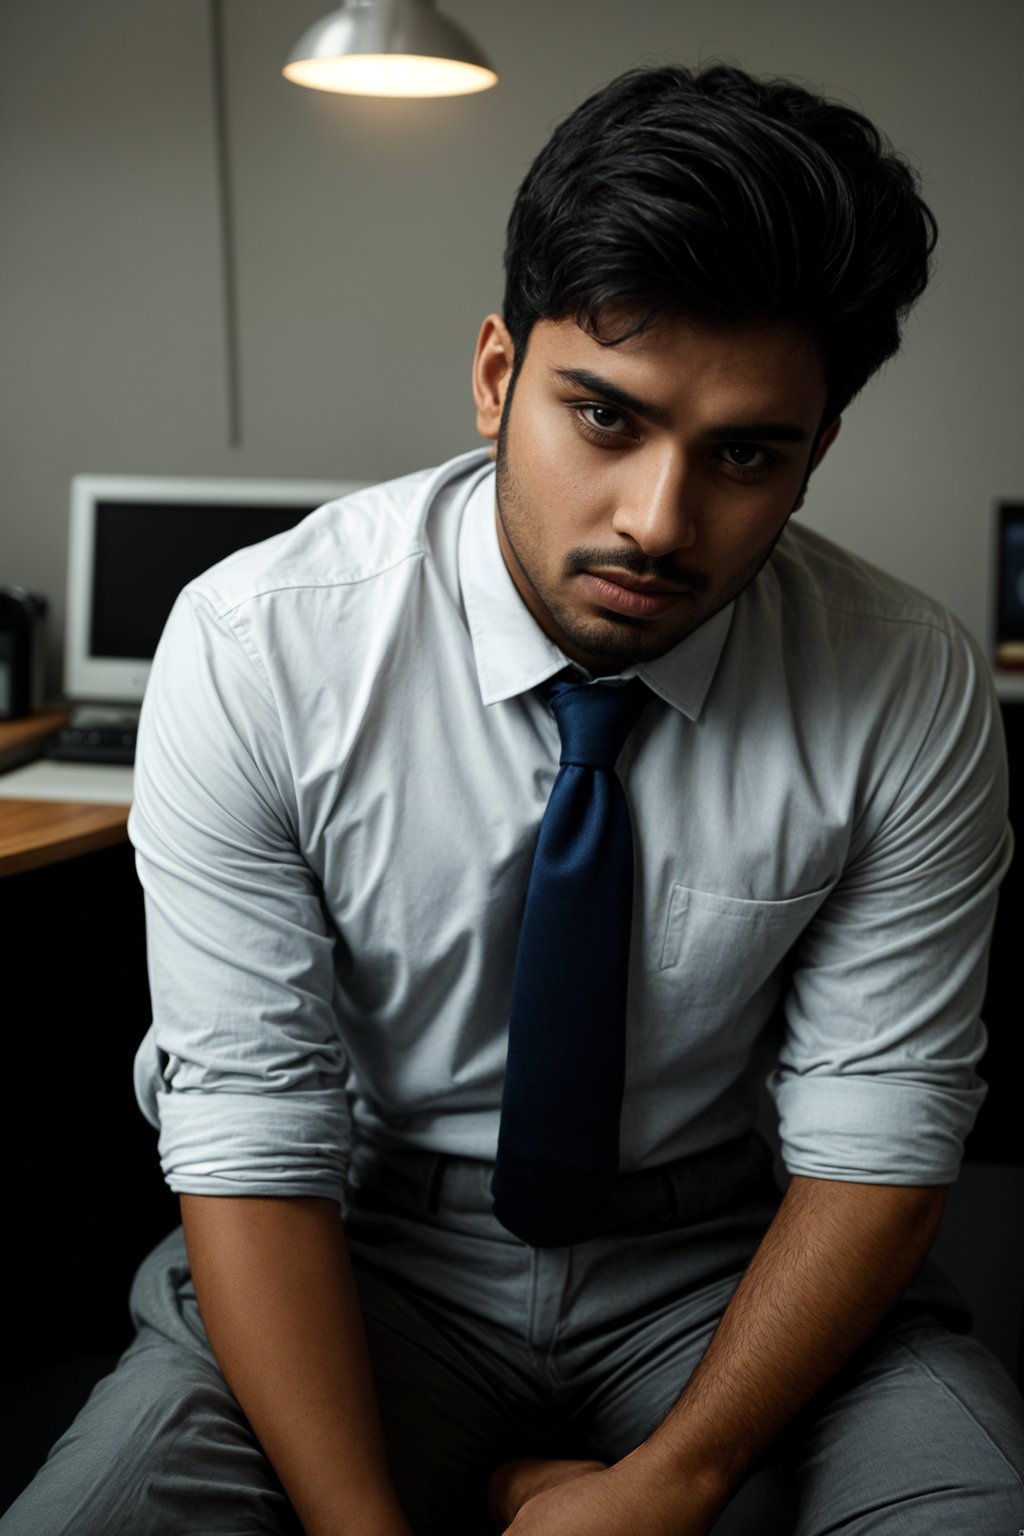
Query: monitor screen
{"points": [[134, 544], [133, 592], [1010, 604]]}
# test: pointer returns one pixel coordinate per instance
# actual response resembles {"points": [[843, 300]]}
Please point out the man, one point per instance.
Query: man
{"points": [[368, 931]]}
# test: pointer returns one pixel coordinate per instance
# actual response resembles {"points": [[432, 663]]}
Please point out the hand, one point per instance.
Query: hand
{"points": [[514, 1482], [589, 1498]]}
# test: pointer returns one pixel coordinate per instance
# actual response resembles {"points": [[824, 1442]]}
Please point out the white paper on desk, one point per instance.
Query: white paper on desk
{"points": [[107, 783]]}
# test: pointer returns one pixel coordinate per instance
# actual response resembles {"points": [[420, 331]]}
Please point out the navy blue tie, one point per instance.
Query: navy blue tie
{"points": [[558, 1141]]}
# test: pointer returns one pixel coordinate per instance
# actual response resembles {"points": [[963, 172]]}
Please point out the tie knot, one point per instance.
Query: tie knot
{"points": [[594, 719]]}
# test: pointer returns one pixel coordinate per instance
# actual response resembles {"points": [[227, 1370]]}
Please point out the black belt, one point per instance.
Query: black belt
{"points": [[689, 1189]]}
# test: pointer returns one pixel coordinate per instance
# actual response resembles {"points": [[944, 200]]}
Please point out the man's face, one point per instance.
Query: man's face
{"points": [[642, 486]]}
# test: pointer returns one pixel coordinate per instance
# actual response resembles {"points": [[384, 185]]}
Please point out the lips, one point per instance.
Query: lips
{"points": [[629, 595]]}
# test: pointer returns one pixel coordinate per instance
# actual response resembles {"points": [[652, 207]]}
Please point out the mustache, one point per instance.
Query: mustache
{"points": [[686, 578]]}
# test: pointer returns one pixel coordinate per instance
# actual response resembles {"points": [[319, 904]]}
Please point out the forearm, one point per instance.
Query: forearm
{"points": [[278, 1299], [835, 1259]]}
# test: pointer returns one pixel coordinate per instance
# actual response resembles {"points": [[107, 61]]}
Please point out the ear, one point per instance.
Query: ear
{"points": [[492, 370], [825, 442]]}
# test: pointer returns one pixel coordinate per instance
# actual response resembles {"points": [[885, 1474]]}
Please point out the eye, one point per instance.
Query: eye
{"points": [[744, 455], [746, 458], [602, 421]]}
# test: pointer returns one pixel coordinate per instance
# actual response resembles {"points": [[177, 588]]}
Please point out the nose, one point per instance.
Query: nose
{"points": [[657, 506]]}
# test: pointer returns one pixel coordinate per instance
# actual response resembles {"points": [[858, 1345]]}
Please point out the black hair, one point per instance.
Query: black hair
{"points": [[725, 200]]}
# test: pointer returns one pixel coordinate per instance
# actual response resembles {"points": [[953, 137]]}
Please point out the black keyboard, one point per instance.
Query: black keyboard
{"points": [[95, 734]]}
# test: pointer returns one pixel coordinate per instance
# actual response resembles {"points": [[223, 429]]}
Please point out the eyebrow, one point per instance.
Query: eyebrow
{"points": [[765, 431]]}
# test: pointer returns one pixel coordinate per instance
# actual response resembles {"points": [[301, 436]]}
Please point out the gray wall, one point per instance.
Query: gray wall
{"points": [[369, 248]]}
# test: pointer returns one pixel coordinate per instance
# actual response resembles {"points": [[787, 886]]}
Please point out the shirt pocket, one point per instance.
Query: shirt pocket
{"points": [[726, 944]]}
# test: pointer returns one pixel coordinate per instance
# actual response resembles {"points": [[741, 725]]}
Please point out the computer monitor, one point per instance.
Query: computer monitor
{"points": [[1010, 586], [135, 542]]}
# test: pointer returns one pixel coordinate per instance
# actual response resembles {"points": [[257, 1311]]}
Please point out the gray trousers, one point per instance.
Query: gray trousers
{"points": [[485, 1349]]}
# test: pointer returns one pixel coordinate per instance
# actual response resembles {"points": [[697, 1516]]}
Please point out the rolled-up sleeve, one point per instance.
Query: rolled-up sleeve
{"points": [[877, 1077], [243, 1069]]}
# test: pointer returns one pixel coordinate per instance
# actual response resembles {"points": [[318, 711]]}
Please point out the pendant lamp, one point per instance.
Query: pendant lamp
{"points": [[389, 48]]}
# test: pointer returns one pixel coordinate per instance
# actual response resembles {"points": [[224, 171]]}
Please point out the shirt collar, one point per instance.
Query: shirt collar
{"points": [[513, 654]]}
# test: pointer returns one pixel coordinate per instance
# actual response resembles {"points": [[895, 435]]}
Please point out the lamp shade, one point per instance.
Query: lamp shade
{"points": [[389, 48]]}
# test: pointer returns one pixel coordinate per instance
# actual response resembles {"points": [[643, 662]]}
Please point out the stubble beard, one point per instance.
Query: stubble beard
{"points": [[603, 641]]}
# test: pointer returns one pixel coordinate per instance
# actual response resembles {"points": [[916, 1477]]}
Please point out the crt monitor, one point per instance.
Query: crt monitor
{"points": [[135, 542]]}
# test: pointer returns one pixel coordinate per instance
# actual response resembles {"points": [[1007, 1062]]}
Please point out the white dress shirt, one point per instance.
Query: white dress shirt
{"points": [[342, 766]]}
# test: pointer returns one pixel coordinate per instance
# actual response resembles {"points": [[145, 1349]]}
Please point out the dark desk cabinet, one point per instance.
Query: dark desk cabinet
{"points": [[83, 1193]]}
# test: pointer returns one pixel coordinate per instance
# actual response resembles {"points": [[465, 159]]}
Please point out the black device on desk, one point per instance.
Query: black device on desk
{"points": [[96, 733], [22, 616]]}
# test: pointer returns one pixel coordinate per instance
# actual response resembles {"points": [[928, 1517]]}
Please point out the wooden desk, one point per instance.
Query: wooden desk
{"points": [[37, 832]]}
